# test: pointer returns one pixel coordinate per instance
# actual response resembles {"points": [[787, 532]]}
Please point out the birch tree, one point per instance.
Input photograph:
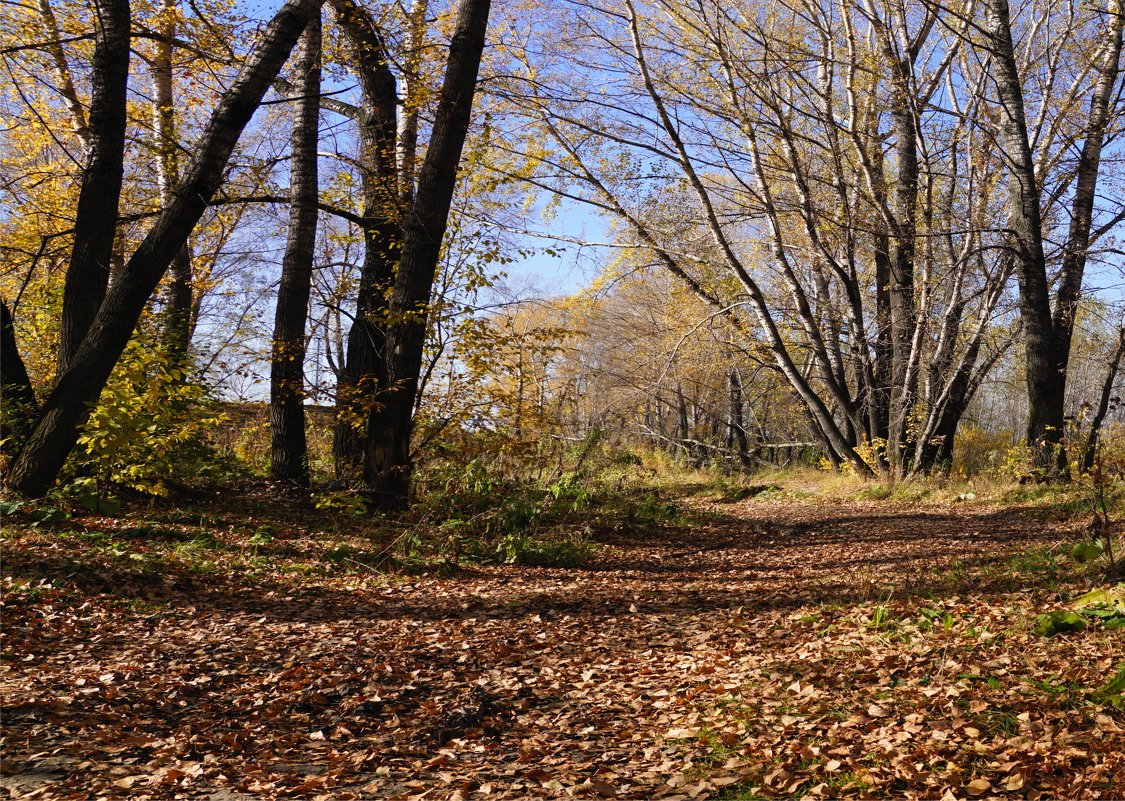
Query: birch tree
{"points": [[837, 187]]}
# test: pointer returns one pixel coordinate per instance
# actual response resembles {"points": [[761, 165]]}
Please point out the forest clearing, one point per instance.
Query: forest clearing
{"points": [[778, 646], [472, 399]]}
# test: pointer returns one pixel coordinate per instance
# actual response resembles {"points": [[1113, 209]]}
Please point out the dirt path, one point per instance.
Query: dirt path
{"points": [[743, 658]]}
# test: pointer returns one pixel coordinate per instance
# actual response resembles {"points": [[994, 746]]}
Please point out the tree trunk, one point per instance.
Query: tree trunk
{"points": [[1045, 384], [683, 427], [903, 321], [17, 396], [64, 411], [87, 275], [364, 373], [178, 300], [63, 76], [387, 466], [884, 348], [737, 429], [289, 459], [1103, 405], [1082, 206]]}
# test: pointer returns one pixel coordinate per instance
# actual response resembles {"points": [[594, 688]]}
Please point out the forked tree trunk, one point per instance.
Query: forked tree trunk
{"points": [[364, 373], [87, 275], [79, 386], [289, 456], [387, 463], [1085, 189], [1049, 336], [1045, 384]]}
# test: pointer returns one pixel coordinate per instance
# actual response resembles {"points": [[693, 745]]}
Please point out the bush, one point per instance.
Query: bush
{"points": [[149, 427], [519, 549], [977, 452], [472, 510]]}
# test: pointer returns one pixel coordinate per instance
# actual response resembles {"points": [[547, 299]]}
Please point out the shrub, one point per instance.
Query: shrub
{"points": [[977, 452], [149, 427]]}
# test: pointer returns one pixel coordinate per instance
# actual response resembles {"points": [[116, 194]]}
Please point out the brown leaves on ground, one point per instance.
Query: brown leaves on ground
{"points": [[777, 651]]}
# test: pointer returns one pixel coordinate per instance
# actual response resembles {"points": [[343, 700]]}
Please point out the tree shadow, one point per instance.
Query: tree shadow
{"points": [[751, 562]]}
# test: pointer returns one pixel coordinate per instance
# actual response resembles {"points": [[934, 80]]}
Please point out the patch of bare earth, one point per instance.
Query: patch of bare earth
{"points": [[744, 658]]}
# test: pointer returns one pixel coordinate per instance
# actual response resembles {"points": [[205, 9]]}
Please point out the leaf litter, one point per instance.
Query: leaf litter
{"points": [[821, 651]]}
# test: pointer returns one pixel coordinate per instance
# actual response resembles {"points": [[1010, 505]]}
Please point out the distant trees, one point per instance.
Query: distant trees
{"points": [[828, 174], [637, 363]]}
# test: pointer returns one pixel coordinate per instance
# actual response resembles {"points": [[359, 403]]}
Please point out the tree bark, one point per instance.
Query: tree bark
{"points": [[178, 297], [364, 373], [736, 426], [67, 407], [1103, 405], [63, 75], [87, 275], [289, 459], [1045, 384], [903, 320], [387, 463], [17, 396], [1082, 206]]}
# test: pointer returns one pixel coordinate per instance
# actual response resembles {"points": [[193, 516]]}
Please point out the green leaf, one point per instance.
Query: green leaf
{"points": [[49, 515], [1117, 683], [100, 505], [1085, 551], [10, 507], [1058, 622], [1113, 597]]}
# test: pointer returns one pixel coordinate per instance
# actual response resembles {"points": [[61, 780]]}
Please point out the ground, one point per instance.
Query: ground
{"points": [[765, 648]]}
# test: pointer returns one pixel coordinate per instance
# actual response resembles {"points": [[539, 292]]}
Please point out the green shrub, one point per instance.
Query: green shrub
{"points": [[343, 503], [149, 427], [520, 549]]}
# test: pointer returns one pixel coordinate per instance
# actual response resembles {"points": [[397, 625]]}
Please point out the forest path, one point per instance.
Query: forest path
{"points": [[774, 649]]}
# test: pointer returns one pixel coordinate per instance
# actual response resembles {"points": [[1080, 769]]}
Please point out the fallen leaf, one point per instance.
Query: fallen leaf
{"points": [[979, 786]]}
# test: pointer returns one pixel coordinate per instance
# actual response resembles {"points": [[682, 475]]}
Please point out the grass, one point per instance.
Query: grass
{"points": [[247, 530], [810, 484], [742, 791]]}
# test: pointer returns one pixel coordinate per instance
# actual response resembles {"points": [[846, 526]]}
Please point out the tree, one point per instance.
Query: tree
{"points": [[387, 460], [62, 413], [1048, 335], [824, 173], [1090, 451], [16, 392], [364, 366], [289, 449], [178, 303], [787, 214], [87, 275]]}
